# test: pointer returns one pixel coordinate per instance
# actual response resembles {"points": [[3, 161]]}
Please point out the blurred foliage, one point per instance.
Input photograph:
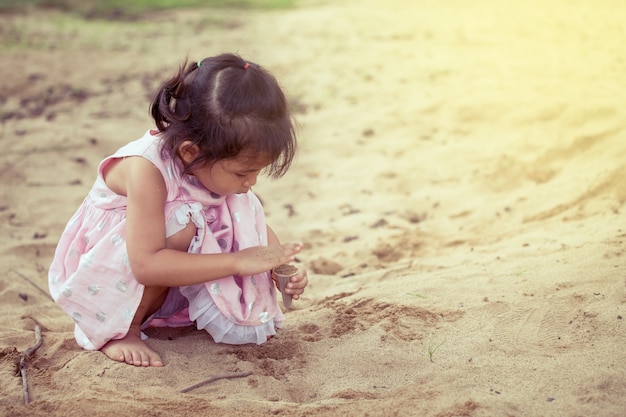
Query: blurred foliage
{"points": [[128, 9]]}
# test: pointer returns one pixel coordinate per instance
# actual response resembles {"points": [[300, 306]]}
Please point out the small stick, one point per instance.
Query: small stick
{"points": [[216, 378], [31, 282], [26, 355]]}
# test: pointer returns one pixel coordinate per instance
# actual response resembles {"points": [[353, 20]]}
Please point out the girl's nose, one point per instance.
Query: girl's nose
{"points": [[250, 181]]}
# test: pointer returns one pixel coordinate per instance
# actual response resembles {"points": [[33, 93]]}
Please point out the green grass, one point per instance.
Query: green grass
{"points": [[102, 24], [133, 8], [433, 346], [417, 294]]}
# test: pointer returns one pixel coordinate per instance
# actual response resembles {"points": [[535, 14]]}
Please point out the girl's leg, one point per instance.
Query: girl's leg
{"points": [[131, 349]]}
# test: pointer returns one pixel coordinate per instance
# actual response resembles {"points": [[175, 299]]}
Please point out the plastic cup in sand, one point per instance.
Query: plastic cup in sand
{"points": [[283, 274]]}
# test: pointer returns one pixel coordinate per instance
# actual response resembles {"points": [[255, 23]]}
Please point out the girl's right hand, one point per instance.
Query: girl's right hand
{"points": [[258, 259]]}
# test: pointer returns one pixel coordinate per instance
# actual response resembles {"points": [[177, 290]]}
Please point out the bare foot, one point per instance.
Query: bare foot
{"points": [[132, 350]]}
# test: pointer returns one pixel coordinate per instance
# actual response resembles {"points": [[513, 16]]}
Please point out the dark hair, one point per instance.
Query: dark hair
{"points": [[226, 106]]}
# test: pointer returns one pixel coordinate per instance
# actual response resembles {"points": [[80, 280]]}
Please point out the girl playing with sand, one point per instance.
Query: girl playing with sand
{"points": [[171, 233]]}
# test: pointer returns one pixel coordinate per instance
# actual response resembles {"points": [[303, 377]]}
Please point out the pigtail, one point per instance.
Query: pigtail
{"points": [[170, 102]]}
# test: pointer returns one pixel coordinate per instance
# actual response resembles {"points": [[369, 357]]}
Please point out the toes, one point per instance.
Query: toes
{"points": [[116, 355], [136, 359], [146, 358], [132, 353], [130, 358], [139, 359], [154, 359]]}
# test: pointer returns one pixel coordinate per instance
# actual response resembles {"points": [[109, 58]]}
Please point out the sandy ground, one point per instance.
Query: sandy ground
{"points": [[460, 189]]}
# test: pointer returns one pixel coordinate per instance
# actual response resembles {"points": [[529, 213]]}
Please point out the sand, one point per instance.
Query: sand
{"points": [[460, 192]]}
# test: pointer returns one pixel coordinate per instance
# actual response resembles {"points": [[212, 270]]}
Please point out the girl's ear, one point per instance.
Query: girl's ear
{"points": [[188, 151]]}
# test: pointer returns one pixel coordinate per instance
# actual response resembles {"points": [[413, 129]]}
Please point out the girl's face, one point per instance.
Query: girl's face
{"points": [[228, 176]]}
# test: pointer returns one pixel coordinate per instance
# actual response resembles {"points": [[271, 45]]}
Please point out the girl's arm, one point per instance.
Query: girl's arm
{"points": [[272, 239], [151, 261]]}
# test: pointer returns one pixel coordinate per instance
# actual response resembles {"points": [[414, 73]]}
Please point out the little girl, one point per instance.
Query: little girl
{"points": [[171, 233]]}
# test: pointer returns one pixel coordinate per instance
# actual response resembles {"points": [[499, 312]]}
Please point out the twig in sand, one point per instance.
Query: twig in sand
{"points": [[26, 355], [216, 378], [31, 282]]}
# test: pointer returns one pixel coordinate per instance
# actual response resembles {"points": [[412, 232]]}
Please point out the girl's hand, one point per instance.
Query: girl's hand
{"points": [[296, 284], [260, 259]]}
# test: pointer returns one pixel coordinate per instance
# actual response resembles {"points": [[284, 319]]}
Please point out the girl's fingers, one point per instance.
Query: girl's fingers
{"points": [[298, 283], [292, 248], [281, 254]]}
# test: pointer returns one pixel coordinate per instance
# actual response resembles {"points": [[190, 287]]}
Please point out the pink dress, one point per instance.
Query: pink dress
{"points": [[90, 276]]}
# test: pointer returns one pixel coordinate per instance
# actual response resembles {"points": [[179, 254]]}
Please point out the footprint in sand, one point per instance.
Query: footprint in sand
{"points": [[541, 329]]}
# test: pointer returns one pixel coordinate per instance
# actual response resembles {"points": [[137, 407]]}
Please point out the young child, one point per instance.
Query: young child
{"points": [[171, 232]]}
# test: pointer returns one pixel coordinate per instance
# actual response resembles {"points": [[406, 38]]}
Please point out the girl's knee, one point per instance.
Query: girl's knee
{"points": [[182, 239]]}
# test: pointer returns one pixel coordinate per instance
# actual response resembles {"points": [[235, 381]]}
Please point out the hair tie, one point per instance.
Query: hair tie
{"points": [[199, 62], [245, 67]]}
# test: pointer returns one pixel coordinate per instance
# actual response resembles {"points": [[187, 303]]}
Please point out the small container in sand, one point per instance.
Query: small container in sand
{"points": [[283, 274]]}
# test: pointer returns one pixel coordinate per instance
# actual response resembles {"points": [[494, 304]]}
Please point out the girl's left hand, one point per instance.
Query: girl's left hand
{"points": [[296, 284]]}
